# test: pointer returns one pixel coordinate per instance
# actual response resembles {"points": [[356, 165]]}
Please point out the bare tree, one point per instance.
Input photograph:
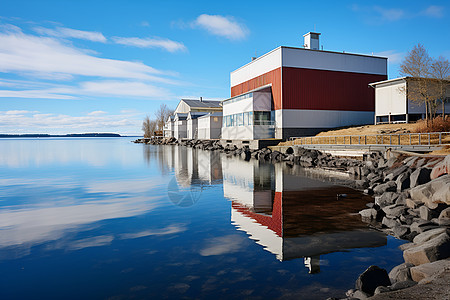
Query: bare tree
{"points": [[162, 114], [440, 70], [149, 127], [420, 89]]}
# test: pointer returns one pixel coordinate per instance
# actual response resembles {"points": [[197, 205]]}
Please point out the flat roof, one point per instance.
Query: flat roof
{"points": [[388, 81], [252, 91], [303, 49]]}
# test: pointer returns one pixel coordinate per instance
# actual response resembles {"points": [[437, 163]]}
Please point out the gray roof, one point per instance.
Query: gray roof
{"points": [[202, 104], [215, 114], [196, 114]]}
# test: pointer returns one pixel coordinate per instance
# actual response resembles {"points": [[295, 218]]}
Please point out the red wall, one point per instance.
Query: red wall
{"points": [[316, 89], [328, 90], [273, 77], [274, 222]]}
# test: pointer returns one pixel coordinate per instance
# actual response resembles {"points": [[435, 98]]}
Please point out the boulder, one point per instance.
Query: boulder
{"points": [[419, 176], [441, 168], [435, 249], [389, 186], [410, 161], [394, 210], [400, 231], [428, 235], [369, 213], [403, 182], [411, 203], [444, 217], [426, 213], [401, 273], [420, 225], [402, 285], [372, 278], [386, 199], [423, 271], [434, 192], [390, 222]]}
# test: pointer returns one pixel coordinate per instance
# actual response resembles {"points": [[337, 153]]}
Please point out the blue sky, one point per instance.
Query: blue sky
{"points": [[101, 66]]}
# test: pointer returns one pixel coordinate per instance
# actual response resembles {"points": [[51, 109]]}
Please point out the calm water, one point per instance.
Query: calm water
{"points": [[107, 219]]}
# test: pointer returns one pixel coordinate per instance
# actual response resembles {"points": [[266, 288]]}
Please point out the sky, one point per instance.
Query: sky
{"points": [[102, 66]]}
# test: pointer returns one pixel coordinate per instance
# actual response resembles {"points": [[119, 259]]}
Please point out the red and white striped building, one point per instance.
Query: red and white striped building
{"points": [[311, 89]]}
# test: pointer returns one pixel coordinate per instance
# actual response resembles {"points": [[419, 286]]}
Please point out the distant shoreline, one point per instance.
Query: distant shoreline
{"points": [[43, 135]]}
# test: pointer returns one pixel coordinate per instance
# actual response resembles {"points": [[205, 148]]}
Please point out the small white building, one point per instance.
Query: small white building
{"points": [[180, 126], [393, 106], [249, 116], [192, 120], [209, 126], [168, 127]]}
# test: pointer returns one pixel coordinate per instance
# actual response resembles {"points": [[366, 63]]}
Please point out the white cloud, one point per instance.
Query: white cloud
{"points": [[165, 44], [96, 241], [222, 26], [390, 14], [33, 94], [63, 32], [172, 229], [49, 56], [223, 245], [434, 11], [97, 113], [28, 122], [121, 88], [393, 56]]}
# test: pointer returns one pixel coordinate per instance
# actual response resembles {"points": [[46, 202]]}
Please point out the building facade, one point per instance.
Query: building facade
{"points": [[311, 90], [392, 104], [209, 126]]}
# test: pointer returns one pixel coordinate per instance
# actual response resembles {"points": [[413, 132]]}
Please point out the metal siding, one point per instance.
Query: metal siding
{"points": [[273, 77], [328, 90]]}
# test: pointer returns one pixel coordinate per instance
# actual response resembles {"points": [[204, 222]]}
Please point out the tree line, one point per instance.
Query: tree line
{"points": [[150, 126], [428, 80]]}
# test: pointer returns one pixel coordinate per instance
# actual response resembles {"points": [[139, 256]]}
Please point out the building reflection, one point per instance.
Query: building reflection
{"points": [[292, 215], [190, 166]]}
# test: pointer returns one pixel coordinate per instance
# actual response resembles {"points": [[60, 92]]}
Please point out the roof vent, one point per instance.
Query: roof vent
{"points": [[311, 40]]}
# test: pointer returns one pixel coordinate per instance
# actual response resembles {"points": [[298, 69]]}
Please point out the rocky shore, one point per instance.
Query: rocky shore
{"points": [[411, 201]]}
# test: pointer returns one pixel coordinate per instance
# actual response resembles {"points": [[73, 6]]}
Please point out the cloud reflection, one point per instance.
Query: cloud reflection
{"points": [[223, 245], [172, 229]]}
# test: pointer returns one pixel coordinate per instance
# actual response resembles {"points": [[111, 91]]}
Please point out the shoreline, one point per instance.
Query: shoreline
{"points": [[411, 202]]}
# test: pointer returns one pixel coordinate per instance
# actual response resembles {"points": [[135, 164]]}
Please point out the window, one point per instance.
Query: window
{"points": [[262, 117], [216, 119], [250, 118], [240, 119]]}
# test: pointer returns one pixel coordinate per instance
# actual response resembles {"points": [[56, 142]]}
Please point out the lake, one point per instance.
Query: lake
{"points": [[103, 218]]}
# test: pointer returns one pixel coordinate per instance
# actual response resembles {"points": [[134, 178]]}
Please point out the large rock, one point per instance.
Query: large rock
{"points": [[441, 168], [427, 270], [401, 273], [434, 192], [389, 186], [435, 249], [394, 210], [420, 176], [388, 198], [429, 235], [444, 217], [403, 182], [369, 213], [371, 278]]}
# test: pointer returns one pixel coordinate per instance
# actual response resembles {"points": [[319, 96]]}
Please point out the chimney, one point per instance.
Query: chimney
{"points": [[311, 40], [201, 99]]}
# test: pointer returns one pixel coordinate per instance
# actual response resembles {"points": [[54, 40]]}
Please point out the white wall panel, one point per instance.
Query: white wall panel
{"points": [[261, 65], [334, 61], [293, 118], [389, 99]]}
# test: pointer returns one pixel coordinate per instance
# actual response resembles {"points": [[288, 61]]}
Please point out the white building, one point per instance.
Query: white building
{"points": [[249, 116], [392, 104], [183, 123], [168, 127], [311, 91], [180, 126], [192, 121], [209, 126]]}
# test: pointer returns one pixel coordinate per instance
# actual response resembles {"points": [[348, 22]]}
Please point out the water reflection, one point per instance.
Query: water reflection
{"points": [[292, 212], [294, 216]]}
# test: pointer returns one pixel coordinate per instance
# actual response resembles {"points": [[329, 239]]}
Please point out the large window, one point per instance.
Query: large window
{"points": [[249, 118], [262, 118]]}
